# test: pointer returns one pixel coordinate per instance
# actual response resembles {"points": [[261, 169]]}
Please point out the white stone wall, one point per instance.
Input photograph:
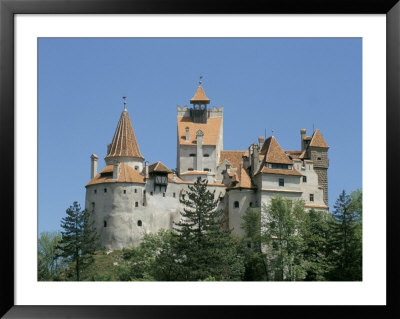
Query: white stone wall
{"points": [[244, 197], [186, 161], [271, 181], [119, 211]]}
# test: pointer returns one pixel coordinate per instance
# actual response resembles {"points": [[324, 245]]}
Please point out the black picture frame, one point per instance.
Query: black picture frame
{"points": [[8, 8]]}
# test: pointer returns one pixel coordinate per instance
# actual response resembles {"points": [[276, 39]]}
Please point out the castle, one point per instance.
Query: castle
{"points": [[129, 200]]}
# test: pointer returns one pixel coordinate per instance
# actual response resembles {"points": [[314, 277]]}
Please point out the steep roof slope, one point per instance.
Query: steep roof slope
{"points": [[124, 142], [273, 152]]}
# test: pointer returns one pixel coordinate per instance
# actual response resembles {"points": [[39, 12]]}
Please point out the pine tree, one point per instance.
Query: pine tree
{"points": [[345, 239], [315, 232], [79, 238], [203, 249]]}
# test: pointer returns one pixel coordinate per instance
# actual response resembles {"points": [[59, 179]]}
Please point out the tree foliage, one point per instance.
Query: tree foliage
{"points": [[346, 238], [282, 223], [201, 247], [79, 238], [49, 264]]}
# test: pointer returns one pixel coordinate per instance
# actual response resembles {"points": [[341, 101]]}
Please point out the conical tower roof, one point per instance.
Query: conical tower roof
{"points": [[200, 97], [273, 152], [318, 140], [124, 142]]}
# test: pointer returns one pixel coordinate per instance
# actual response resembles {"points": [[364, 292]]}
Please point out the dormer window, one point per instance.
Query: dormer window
{"points": [[279, 166], [207, 170]]}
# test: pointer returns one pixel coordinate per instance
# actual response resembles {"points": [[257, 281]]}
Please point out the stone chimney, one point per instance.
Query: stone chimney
{"points": [[199, 149], [116, 170], [187, 133], [302, 136], [261, 140], [93, 168], [146, 168]]}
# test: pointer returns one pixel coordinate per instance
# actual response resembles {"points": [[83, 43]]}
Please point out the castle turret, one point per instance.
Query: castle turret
{"points": [[124, 147], [200, 102], [318, 150]]}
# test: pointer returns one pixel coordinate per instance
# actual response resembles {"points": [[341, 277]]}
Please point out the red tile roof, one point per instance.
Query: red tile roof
{"points": [[318, 140], [292, 171], [126, 175], [159, 167], [210, 129], [200, 97], [273, 152], [234, 157], [124, 142]]}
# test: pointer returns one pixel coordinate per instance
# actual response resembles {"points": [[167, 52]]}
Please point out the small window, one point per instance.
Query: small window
{"points": [[137, 168], [93, 205], [221, 198], [251, 204], [136, 204], [139, 223], [281, 182], [319, 158], [124, 191], [192, 155], [95, 191], [151, 193], [304, 179], [236, 204], [206, 155], [207, 170], [135, 190], [105, 190], [105, 223], [311, 197], [163, 194], [190, 169], [173, 195]]}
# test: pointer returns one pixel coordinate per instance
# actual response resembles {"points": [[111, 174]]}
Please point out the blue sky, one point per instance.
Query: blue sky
{"points": [[283, 84]]}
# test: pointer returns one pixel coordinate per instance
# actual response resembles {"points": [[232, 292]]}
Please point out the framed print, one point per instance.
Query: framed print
{"points": [[63, 61]]}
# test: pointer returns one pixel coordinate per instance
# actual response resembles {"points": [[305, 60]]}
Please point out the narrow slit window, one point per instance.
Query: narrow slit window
{"points": [[135, 190], [311, 197], [105, 223], [124, 191], [136, 204], [281, 182], [173, 195], [105, 190]]}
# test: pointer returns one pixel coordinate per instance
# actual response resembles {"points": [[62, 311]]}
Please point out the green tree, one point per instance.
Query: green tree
{"points": [[79, 238], [346, 238], [201, 246], [254, 260], [315, 233], [281, 223], [49, 264], [140, 262]]}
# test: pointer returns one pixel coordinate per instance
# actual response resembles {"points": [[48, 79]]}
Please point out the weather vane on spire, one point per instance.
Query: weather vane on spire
{"points": [[201, 77], [124, 98], [272, 132]]}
